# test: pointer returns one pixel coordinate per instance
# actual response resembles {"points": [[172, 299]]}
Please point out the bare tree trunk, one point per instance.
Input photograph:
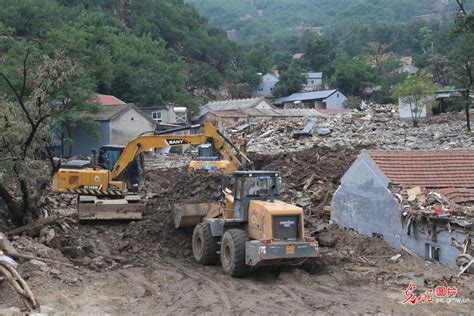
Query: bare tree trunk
{"points": [[467, 108], [14, 208]]}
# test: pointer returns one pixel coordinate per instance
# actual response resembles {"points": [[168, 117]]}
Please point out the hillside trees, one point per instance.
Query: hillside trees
{"points": [[291, 81], [40, 91], [463, 55]]}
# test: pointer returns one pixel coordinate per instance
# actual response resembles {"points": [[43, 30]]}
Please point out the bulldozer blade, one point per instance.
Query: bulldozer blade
{"points": [[98, 209], [189, 215]]}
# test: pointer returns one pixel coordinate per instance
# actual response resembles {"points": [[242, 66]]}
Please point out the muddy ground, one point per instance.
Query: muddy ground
{"points": [[146, 267]]}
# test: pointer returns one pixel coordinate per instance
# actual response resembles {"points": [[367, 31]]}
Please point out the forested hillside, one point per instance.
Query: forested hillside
{"points": [[278, 23], [148, 52]]}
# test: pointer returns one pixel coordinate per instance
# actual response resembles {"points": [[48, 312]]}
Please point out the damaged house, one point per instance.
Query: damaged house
{"points": [[417, 200]]}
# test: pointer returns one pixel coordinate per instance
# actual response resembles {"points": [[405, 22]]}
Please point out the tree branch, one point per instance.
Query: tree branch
{"points": [[461, 6], [25, 60], [18, 95]]}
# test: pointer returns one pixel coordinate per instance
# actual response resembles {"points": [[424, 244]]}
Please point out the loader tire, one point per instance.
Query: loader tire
{"points": [[233, 253], [205, 246]]}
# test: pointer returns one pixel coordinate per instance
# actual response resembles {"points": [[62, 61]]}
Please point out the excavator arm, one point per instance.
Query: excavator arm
{"points": [[210, 134]]}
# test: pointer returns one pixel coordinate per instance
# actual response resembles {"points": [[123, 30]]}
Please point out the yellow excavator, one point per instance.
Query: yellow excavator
{"points": [[249, 227], [109, 188]]}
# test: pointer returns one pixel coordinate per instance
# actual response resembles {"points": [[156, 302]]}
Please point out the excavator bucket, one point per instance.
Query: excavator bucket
{"points": [[189, 215], [93, 208]]}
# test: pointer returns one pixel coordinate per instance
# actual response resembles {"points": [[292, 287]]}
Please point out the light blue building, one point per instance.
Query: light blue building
{"points": [[368, 203]]}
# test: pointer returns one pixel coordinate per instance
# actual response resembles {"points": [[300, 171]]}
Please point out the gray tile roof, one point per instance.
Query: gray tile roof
{"points": [[227, 105], [111, 112], [303, 96]]}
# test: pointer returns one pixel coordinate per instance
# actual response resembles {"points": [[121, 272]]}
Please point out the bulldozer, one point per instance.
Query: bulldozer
{"points": [[109, 187], [248, 227]]}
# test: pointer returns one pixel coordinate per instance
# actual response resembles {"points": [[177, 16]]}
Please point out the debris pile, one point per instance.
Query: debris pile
{"points": [[452, 206], [377, 127], [309, 177]]}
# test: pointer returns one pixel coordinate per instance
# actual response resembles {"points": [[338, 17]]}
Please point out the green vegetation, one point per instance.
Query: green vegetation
{"points": [[415, 91], [147, 52]]}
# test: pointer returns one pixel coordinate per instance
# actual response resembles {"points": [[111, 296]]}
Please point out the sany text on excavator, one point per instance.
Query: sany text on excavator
{"points": [[109, 189]]}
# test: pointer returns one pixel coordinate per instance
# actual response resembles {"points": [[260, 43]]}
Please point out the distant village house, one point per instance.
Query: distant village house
{"points": [[324, 99]]}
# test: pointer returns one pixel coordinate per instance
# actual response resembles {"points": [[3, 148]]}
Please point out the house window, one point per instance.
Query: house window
{"points": [[156, 116], [312, 81], [271, 89], [432, 252], [338, 95]]}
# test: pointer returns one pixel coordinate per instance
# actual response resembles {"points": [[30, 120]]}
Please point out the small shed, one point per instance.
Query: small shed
{"points": [[323, 99], [117, 125], [411, 198]]}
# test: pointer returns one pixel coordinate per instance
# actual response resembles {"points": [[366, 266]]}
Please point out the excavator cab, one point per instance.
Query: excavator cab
{"points": [[207, 152], [109, 155], [208, 159]]}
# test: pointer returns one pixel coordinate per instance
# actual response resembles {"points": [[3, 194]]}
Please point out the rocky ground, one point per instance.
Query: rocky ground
{"points": [[146, 267]]}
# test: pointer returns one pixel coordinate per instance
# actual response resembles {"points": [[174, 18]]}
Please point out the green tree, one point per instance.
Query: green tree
{"points": [[46, 90], [463, 55], [319, 55], [291, 81], [260, 58], [351, 75], [415, 91]]}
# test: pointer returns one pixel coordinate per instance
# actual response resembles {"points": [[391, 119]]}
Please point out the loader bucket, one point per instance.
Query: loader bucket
{"points": [[189, 215]]}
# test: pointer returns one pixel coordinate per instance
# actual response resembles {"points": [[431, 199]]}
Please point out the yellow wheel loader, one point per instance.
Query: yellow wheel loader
{"points": [[109, 189], [248, 227]]}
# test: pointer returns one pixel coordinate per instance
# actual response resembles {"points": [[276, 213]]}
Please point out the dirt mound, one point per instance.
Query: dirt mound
{"points": [[309, 177], [105, 245]]}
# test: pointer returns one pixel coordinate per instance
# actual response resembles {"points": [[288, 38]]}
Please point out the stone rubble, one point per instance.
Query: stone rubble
{"points": [[377, 127]]}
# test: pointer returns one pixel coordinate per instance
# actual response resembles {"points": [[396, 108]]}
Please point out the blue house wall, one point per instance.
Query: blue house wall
{"points": [[83, 143], [363, 203]]}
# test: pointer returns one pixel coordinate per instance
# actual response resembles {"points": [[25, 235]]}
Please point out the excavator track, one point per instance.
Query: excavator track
{"points": [[99, 208]]}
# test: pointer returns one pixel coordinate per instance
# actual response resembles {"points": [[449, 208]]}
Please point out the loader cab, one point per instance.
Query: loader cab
{"points": [[253, 185], [109, 155]]}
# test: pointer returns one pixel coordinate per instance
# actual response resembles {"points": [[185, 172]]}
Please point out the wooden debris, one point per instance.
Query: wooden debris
{"points": [[34, 229]]}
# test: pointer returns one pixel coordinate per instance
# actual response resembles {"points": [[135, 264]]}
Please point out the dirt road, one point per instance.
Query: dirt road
{"points": [[180, 287]]}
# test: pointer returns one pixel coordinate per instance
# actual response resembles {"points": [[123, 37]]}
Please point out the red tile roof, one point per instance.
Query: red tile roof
{"points": [[429, 168], [458, 195], [104, 99]]}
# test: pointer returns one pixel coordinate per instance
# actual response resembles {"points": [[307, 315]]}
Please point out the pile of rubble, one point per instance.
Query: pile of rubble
{"points": [[424, 204], [376, 127]]}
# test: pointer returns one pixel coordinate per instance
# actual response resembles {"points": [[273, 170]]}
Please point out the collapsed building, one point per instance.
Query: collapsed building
{"points": [[417, 200]]}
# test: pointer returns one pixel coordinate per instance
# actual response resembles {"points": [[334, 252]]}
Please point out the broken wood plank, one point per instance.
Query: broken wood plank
{"points": [[34, 229]]}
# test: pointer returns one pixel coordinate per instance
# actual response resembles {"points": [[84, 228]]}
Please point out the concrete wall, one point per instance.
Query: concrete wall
{"points": [[265, 88], [83, 143], [363, 203], [336, 101], [405, 110], [129, 125]]}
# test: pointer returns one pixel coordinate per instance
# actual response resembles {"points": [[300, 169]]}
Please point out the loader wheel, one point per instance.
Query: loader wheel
{"points": [[233, 253], [205, 246]]}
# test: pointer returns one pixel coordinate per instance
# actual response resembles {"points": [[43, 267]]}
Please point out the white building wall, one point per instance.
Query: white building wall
{"points": [[335, 101], [129, 125]]}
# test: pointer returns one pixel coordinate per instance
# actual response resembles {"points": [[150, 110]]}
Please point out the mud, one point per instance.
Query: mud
{"points": [[146, 267]]}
